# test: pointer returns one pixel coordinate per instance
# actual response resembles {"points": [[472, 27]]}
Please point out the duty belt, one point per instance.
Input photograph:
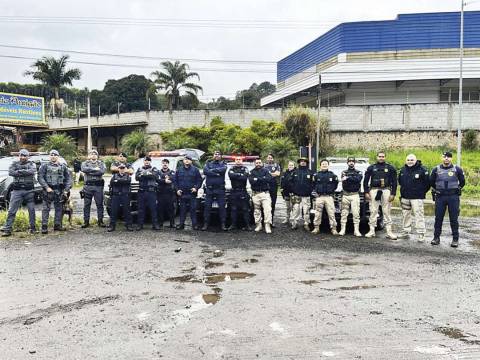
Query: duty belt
{"points": [[259, 192], [95, 183], [348, 193], [55, 187]]}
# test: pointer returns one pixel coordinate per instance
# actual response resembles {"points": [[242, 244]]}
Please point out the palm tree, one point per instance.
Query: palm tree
{"points": [[53, 73], [174, 79]]}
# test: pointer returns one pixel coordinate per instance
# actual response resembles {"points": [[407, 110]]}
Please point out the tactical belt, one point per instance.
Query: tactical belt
{"points": [[23, 187], [239, 189], [55, 187], [148, 189], [348, 193], [259, 192], [95, 182]]}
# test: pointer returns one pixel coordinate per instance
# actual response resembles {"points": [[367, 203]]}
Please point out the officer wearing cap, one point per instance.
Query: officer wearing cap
{"points": [[414, 182], [380, 186], [93, 168], [351, 182], [325, 183], [239, 200], [214, 172], [147, 177], [301, 187], [121, 159], [23, 173], [120, 197], [55, 179], [166, 194], [447, 181], [187, 181]]}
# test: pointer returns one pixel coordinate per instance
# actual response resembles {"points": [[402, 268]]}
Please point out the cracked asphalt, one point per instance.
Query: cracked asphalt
{"points": [[290, 295]]}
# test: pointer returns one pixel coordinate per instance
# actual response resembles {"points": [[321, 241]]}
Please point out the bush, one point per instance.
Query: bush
{"points": [[469, 141], [138, 143], [283, 148], [63, 143], [22, 223], [300, 124]]}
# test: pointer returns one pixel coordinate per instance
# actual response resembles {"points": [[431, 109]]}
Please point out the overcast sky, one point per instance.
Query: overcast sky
{"points": [[258, 41]]}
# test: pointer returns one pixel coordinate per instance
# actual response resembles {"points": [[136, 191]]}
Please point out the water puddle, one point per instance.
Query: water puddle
{"points": [[212, 264], [211, 298], [355, 287], [456, 334], [475, 243], [184, 278], [250, 261], [309, 282], [211, 278]]}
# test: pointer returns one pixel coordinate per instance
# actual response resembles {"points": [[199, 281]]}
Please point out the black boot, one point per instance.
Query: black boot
{"points": [[139, 227], [101, 223], [232, 227], [86, 224], [435, 241], [224, 227], [180, 226], [156, 227], [247, 228], [6, 233], [205, 227], [58, 228], [111, 228], [129, 227], [44, 229], [454, 243], [172, 224], [33, 231]]}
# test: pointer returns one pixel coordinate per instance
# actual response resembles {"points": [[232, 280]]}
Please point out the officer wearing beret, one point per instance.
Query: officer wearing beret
{"points": [[23, 173], [447, 181]]}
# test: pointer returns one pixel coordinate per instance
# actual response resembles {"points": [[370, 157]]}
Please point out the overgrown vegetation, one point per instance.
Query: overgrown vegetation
{"points": [[470, 141], [63, 143], [430, 158], [138, 143]]}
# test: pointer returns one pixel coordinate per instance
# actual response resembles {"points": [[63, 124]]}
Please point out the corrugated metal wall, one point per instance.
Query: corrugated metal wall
{"points": [[408, 31]]}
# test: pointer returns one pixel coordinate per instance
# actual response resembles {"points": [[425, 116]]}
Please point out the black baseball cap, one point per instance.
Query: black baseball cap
{"points": [[350, 158], [448, 154], [121, 166], [188, 157], [148, 158], [123, 154]]}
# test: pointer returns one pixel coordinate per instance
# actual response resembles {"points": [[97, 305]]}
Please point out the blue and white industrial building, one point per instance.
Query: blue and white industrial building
{"points": [[413, 59]]}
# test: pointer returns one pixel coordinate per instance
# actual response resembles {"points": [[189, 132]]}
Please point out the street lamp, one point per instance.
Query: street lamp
{"points": [[460, 92]]}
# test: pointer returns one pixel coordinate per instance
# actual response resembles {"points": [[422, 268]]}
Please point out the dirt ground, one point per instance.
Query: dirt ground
{"points": [[236, 295]]}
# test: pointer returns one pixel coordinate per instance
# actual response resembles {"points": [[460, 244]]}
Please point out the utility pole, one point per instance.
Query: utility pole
{"points": [[89, 128], [319, 100], [460, 92]]}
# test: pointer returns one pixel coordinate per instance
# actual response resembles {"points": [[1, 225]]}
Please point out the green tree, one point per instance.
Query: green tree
{"points": [[179, 142], [300, 124], [63, 143], [283, 148], [137, 142], [469, 141], [53, 73], [175, 78]]}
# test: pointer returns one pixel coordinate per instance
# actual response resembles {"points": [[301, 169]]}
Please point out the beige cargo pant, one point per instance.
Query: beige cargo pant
{"points": [[350, 201], [288, 208], [375, 204], [300, 210], [262, 200], [325, 201], [413, 207]]}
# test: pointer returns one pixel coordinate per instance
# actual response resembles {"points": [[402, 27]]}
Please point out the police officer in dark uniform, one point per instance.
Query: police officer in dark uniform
{"points": [[120, 197], [260, 180], [380, 186], [55, 179], [147, 177], [275, 172], [325, 183], [93, 169], [187, 181], [301, 184], [121, 159], [214, 172], [239, 200], [166, 194], [447, 181], [23, 173], [286, 185], [351, 183]]}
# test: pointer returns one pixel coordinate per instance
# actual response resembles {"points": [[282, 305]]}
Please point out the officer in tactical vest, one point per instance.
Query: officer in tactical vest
{"points": [[380, 186], [121, 159], [286, 185], [260, 179], [275, 172], [23, 173], [414, 182], [55, 179], [239, 199], [120, 197], [351, 182], [166, 194], [187, 181], [301, 187], [447, 181], [147, 177], [325, 183], [214, 171], [93, 170]]}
